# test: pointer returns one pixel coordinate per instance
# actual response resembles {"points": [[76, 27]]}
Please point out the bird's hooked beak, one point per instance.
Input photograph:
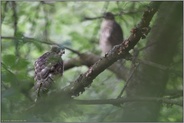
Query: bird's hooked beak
{"points": [[62, 51], [58, 49]]}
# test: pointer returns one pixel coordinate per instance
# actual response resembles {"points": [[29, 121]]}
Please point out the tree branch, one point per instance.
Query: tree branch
{"points": [[124, 100], [89, 59], [117, 14], [30, 40], [63, 98], [127, 81], [173, 93], [118, 52]]}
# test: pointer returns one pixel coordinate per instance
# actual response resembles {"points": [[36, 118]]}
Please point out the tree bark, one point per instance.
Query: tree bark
{"points": [[149, 81]]}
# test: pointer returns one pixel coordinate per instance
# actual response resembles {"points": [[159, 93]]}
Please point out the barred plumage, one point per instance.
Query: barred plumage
{"points": [[47, 68], [111, 33]]}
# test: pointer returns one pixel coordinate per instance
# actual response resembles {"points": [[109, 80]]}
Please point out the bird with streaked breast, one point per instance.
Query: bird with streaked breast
{"points": [[48, 68]]}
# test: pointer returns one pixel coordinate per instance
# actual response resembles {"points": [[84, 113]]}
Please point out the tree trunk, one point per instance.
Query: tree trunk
{"points": [[149, 81]]}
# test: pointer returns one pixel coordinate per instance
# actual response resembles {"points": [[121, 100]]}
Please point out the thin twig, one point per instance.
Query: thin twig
{"points": [[74, 51], [162, 67], [17, 81], [98, 17], [9, 71], [115, 14], [49, 42], [147, 46], [127, 82], [150, 63], [47, 21], [15, 18], [124, 100]]}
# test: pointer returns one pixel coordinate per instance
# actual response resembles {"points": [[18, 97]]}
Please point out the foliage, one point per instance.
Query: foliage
{"points": [[63, 23]]}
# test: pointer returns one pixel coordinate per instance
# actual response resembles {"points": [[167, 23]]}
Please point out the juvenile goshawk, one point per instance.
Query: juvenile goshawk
{"points": [[111, 33], [47, 68]]}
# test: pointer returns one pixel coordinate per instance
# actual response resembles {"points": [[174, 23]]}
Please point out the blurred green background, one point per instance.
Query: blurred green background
{"points": [[25, 24]]}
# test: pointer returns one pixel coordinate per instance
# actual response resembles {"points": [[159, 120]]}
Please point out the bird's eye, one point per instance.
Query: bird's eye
{"points": [[62, 51]]}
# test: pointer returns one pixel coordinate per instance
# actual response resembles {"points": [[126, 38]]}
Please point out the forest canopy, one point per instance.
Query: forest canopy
{"points": [[140, 79]]}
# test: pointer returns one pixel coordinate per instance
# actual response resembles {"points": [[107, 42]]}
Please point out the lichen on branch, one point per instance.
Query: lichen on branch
{"points": [[118, 52]]}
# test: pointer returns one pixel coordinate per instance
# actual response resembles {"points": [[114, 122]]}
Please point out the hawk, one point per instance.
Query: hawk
{"points": [[111, 33], [47, 68]]}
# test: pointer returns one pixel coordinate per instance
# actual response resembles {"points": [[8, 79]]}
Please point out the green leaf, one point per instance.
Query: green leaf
{"points": [[9, 60], [20, 64]]}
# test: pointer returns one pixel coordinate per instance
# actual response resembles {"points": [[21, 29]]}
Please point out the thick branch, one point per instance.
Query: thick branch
{"points": [[89, 59], [118, 52], [48, 102]]}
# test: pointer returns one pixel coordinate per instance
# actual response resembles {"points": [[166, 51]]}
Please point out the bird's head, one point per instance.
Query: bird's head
{"points": [[57, 49], [108, 15]]}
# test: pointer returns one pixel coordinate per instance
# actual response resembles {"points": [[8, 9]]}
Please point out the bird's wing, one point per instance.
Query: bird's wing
{"points": [[116, 36], [47, 67], [46, 64]]}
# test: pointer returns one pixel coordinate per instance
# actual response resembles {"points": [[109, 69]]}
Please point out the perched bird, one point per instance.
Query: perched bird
{"points": [[47, 68], [111, 33]]}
